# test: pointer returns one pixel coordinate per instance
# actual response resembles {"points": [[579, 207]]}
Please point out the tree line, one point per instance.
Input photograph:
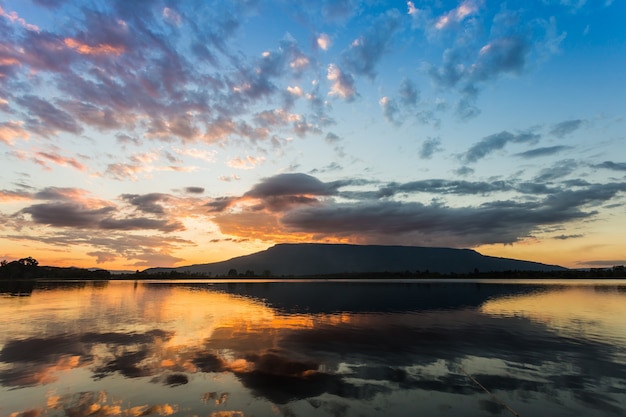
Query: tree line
{"points": [[28, 268]]}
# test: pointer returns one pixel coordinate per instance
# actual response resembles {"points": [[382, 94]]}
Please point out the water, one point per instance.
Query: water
{"points": [[235, 349]]}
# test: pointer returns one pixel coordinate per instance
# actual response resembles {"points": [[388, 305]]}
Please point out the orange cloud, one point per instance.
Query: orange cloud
{"points": [[11, 130], [42, 157], [249, 162], [100, 49]]}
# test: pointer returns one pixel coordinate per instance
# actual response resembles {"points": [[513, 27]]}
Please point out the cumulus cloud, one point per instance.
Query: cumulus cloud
{"points": [[366, 51], [342, 83], [456, 15], [323, 41], [292, 184]]}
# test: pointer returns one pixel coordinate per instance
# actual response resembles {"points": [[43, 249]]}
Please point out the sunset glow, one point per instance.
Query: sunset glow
{"points": [[143, 134]]}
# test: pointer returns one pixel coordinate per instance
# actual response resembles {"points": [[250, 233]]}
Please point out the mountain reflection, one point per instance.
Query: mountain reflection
{"points": [[283, 348]]}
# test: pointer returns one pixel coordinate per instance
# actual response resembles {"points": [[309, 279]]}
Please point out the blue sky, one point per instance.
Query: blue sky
{"points": [[158, 133]]}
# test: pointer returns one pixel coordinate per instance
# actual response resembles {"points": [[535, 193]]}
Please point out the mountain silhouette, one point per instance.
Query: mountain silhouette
{"points": [[310, 259]]}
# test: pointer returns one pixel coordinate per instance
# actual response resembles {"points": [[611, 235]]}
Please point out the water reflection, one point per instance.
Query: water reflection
{"points": [[299, 349]]}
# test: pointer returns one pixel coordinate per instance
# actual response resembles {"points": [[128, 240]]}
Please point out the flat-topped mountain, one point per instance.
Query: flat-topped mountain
{"points": [[309, 259]]}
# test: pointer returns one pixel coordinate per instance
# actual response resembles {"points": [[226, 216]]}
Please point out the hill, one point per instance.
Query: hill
{"points": [[311, 259]]}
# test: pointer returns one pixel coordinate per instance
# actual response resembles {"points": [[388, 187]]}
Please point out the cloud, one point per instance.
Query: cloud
{"points": [[409, 93], [497, 222], [249, 162], [292, 184], [49, 119], [68, 214], [616, 166], [366, 51], [323, 41], [343, 84], [12, 130], [194, 190], [539, 152], [559, 170], [429, 147], [148, 203], [8, 196], [566, 237], [563, 129], [42, 158], [390, 109], [495, 142], [454, 16], [13, 17], [440, 186], [300, 206]]}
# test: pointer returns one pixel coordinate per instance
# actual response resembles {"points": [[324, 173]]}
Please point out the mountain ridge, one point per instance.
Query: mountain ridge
{"points": [[314, 259]]}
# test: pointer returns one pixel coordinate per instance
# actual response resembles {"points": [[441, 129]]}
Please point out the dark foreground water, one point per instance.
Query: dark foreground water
{"points": [[313, 349]]}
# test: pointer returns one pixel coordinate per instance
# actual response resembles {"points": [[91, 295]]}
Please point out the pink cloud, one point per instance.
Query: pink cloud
{"points": [[12, 130], [100, 49], [42, 157], [249, 162]]}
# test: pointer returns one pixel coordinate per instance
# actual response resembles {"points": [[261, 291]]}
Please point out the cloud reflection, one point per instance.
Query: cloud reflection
{"points": [[281, 354]]}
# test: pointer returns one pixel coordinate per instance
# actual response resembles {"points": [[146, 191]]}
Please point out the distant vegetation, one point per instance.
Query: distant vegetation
{"points": [[593, 273], [28, 268]]}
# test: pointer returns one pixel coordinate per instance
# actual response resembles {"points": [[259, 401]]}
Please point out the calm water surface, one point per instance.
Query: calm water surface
{"points": [[313, 349]]}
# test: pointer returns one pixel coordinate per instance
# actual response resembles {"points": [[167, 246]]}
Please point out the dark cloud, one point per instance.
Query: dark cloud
{"points": [[558, 170], [563, 129], [194, 190], [539, 152], [496, 222], [390, 110], [332, 138], [429, 147], [292, 184], [383, 215], [220, 204], [615, 166], [78, 216], [147, 203], [408, 93], [68, 214], [500, 56], [48, 118], [566, 237], [440, 186], [50, 3], [495, 142], [366, 51]]}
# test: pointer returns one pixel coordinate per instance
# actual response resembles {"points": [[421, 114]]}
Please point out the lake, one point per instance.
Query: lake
{"points": [[313, 348]]}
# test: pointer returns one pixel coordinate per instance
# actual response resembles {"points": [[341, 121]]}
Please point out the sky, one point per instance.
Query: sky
{"points": [[151, 133]]}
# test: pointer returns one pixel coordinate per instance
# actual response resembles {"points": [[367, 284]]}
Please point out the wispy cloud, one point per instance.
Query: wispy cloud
{"points": [[249, 162], [495, 142]]}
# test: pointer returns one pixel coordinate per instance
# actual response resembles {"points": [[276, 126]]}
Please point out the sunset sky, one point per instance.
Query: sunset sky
{"points": [[160, 133]]}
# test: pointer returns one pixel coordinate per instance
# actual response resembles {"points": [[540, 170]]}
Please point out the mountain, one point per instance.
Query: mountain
{"points": [[308, 259]]}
